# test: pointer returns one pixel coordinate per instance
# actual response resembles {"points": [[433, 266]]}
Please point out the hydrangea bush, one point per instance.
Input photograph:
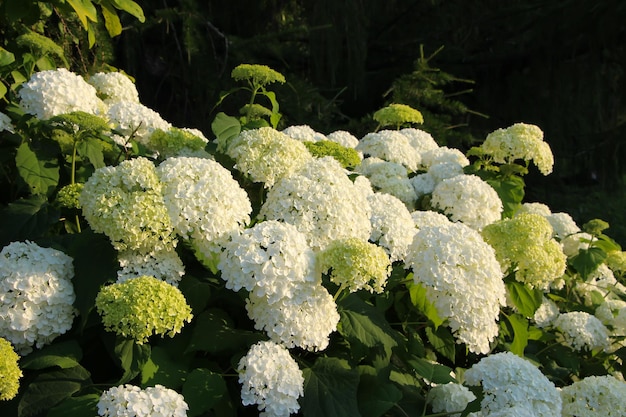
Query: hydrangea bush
{"points": [[155, 270]]}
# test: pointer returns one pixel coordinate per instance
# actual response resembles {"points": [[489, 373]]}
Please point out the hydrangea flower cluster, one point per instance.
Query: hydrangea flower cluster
{"points": [[356, 264], [389, 177], [468, 199], [423, 218], [524, 243], [10, 372], [271, 379], [303, 133], [266, 155], [132, 401], [256, 75], [519, 141], [419, 139], [562, 223], [462, 279], [53, 92], [36, 295], [582, 331], [600, 282], [321, 201], [509, 381], [343, 138], [450, 397], [594, 396], [392, 225], [125, 203], [547, 312], [141, 307], [204, 202], [179, 142], [131, 119], [163, 264], [391, 146], [443, 155], [6, 123], [112, 87], [397, 114]]}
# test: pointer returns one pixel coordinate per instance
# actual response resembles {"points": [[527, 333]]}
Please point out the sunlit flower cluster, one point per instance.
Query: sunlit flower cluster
{"points": [[10, 372], [141, 307], [163, 264], [462, 279], [443, 155], [563, 225], [602, 283], [271, 379], [303, 133], [391, 146], [423, 218], [582, 331], [594, 396], [450, 397], [256, 75], [36, 295], [179, 142], [132, 401], [547, 312], [112, 87], [389, 177], [421, 140], [344, 138], [509, 381], [397, 114], [133, 120], [392, 225]]}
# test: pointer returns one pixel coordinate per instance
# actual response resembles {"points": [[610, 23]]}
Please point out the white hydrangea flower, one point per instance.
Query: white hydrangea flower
{"points": [[390, 178], [423, 184], [130, 118], [450, 397], [602, 281], [163, 264], [612, 313], [391, 146], [423, 218], [518, 410], [509, 381], [125, 202], [547, 312], [443, 154], [112, 87], [363, 186], [468, 199], [304, 318], [268, 259], [392, 225], [36, 295], [53, 92], [271, 379], [321, 201], [304, 133], [444, 170], [204, 201], [6, 123], [536, 208], [582, 331], [594, 396], [462, 278], [421, 140], [563, 225], [343, 138], [132, 401]]}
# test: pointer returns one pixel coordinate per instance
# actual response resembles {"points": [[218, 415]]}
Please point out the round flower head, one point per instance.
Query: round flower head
{"points": [[468, 199], [392, 225], [68, 196], [525, 244], [256, 75], [130, 400], [36, 295], [423, 218], [602, 283], [450, 397], [536, 208], [442, 155], [112, 87], [53, 92], [344, 138], [519, 141], [462, 279], [594, 396], [204, 201], [268, 259], [125, 202], [178, 142], [10, 372], [508, 381], [390, 178], [563, 225], [391, 146], [547, 312], [397, 115], [616, 261], [163, 264], [572, 244], [419, 139], [136, 121], [271, 379], [6, 123], [303, 133], [347, 157], [582, 331], [266, 155], [612, 313], [141, 307], [321, 201], [423, 184], [356, 264], [444, 170]]}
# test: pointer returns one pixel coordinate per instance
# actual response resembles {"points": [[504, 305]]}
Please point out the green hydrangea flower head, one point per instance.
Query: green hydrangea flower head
{"points": [[141, 307], [524, 245], [68, 196], [10, 372], [356, 264], [347, 157], [595, 227], [257, 75], [398, 115], [616, 261], [177, 142], [255, 111]]}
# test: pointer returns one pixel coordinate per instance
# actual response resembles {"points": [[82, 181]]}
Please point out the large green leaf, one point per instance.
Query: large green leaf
{"points": [[442, 341], [330, 389], [83, 406], [27, 218], [376, 394], [130, 7], [511, 191], [132, 357], [85, 10], [519, 324], [92, 150], [225, 127], [525, 299], [431, 372], [161, 369], [63, 355], [423, 304], [588, 260], [214, 332], [6, 57], [40, 172], [112, 21], [202, 390]]}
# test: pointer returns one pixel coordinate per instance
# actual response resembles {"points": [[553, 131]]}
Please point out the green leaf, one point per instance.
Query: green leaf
{"points": [[511, 192], [214, 332], [196, 292], [330, 389], [419, 300], [202, 390], [376, 394], [111, 19], [83, 406], [132, 357], [3, 90], [91, 149], [161, 369], [525, 299], [588, 260], [85, 10], [432, 372], [64, 355], [40, 173], [442, 341], [50, 388], [131, 8], [225, 127], [519, 324], [27, 218], [6, 57]]}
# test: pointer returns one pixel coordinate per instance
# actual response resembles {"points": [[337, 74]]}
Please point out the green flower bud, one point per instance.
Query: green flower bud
{"points": [[398, 115]]}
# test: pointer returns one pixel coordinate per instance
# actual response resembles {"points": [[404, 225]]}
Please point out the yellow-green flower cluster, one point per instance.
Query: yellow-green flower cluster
{"points": [[68, 196], [356, 264], [347, 157], [10, 372], [524, 244], [397, 115], [141, 307], [519, 141], [616, 260], [177, 142], [257, 75]]}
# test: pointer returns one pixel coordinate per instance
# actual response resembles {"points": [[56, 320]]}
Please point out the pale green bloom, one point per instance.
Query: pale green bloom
{"points": [[68, 195], [10, 372], [616, 260], [141, 307], [257, 75], [347, 157], [356, 264], [397, 115], [178, 142]]}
